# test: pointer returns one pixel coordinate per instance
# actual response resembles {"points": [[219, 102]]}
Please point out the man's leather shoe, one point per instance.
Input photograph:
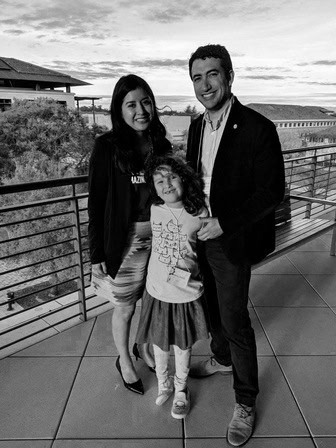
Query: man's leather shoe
{"points": [[208, 367], [242, 424]]}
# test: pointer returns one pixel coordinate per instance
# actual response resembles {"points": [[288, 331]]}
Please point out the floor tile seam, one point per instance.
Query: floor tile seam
{"points": [[264, 330], [304, 277], [293, 264], [328, 355], [26, 439], [139, 437], [81, 358], [333, 436], [285, 376], [184, 433], [314, 289], [279, 274], [91, 332], [310, 432], [259, 436], [293, 307], [44, 356], [31, 335], [274, 352]]}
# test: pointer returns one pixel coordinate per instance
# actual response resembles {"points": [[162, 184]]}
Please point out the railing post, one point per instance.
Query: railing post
{"points": [[291, 176], [78, 249], [328, 179], [311, 186], [333, 240], [10, 295]]}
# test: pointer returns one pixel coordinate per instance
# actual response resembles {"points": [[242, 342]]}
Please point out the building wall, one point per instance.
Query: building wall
{"points": [[306, 125], [100, 119], [295, 136], [21, 94]]}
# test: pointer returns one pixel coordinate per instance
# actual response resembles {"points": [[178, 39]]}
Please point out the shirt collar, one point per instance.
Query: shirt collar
{"points": [[224, 111]]}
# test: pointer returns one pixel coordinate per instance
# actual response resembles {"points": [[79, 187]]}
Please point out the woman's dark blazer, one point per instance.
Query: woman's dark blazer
{"points": [[109, 206], [247, 181]]}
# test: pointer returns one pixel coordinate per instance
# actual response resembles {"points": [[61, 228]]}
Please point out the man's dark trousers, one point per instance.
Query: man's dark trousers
{"points": [[233, 340]]}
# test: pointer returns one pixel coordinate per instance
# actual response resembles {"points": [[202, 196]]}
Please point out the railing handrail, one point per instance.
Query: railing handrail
{"points": [[308, 148], [39, 185]]}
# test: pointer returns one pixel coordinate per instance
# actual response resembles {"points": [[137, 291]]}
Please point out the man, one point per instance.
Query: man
{"points": [[238, 152]]}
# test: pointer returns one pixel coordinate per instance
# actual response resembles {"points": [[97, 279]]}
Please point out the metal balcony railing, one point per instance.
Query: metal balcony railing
{"points": [[44, 257], [43, 254], [311, 172]]}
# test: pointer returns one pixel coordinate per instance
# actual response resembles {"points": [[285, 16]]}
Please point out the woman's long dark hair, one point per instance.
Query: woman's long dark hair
{"points": [[124, 136], [193, 194]]}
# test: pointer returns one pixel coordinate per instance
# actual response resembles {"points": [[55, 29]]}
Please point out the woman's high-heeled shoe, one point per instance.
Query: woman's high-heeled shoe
{"points": [[136, 387], [145, 356]]}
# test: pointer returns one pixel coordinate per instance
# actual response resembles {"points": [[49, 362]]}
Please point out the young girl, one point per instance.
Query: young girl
{"points": [[172, 313]]}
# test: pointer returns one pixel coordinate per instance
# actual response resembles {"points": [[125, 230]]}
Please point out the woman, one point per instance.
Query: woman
{"points": [[119, 203]]}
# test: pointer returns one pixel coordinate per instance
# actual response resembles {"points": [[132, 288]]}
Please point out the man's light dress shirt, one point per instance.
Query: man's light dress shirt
{"points": [[212, 135]]}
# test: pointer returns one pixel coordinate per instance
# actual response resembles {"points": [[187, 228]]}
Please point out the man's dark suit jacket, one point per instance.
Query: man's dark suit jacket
{"points": [[247, 181]]}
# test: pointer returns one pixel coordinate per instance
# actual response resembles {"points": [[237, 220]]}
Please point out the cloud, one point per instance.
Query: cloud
{"points": [[175, 11], [112, 69], [14, 32], [319, 83], [266, 77], [257, 69], [158, 63], [81, 18], [322, 62]]}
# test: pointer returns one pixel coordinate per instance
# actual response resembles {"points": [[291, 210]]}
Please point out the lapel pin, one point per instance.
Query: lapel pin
{"points": [[235, 126]]}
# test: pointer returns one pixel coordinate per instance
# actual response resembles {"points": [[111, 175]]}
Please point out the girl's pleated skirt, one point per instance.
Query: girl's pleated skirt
{"points": [[165, 324]]}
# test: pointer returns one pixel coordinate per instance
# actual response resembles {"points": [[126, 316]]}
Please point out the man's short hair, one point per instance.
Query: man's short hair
{"points": [[213, 51]]}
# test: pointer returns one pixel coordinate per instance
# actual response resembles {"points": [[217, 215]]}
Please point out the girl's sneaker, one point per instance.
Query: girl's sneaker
{"points": [[165, 390], [181, 404]]}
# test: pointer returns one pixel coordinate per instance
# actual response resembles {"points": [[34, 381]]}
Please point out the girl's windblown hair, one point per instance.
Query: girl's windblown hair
{"points": [[193, 195]]}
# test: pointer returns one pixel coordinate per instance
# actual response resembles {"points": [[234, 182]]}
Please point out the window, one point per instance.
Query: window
{"points": [[5, 104]]}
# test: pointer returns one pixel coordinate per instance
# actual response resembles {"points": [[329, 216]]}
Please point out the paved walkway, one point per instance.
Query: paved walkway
{"points": [[65, 392]]}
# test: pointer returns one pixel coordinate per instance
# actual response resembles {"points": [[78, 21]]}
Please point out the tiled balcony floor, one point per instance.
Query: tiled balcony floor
{"points": [[65, 391]]}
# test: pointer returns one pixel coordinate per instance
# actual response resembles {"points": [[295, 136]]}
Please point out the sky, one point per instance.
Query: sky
{"points": [[282, 51]]}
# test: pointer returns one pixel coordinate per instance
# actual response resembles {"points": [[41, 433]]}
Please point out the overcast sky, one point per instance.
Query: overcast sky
{"points": [[282, 51]]}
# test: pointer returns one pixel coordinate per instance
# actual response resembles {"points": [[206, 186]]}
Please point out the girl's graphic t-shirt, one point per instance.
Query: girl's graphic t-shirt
{"points": [[173, 271]]}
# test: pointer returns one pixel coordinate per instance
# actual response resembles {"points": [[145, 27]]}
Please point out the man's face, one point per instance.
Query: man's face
{"points": [[212, 89]]}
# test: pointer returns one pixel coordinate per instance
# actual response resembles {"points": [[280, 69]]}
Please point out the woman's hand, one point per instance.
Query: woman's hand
{"points": [[99, 269]]}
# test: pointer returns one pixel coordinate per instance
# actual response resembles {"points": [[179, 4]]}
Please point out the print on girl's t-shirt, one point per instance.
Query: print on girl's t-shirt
{"points": [[167, 242]]}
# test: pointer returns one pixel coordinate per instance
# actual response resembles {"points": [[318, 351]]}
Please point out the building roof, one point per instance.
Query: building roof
{"points": [[15, 70], [290, 112]]}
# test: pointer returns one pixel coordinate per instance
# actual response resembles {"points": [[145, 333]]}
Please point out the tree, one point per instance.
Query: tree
{"points": [[41, 140], [7, 165], [44, 127], [190, 110]]}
